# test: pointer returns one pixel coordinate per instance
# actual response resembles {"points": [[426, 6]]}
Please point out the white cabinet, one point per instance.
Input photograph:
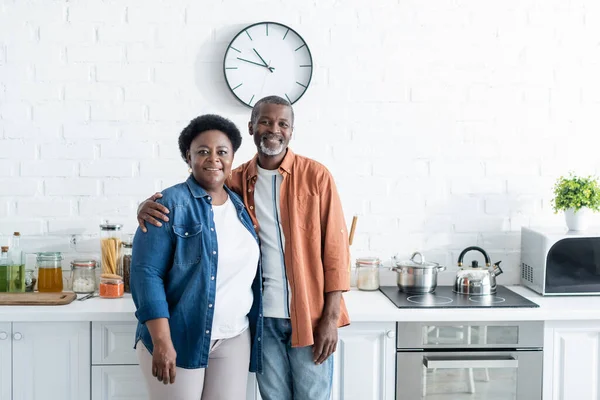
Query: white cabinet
{"points": [[365, 360], [116, 374], [45, 360], [571, 360], [5, 360], [118, 382]]}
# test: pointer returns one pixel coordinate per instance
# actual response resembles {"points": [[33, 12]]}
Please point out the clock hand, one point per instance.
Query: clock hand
{"points": [[255, 63], [261, 59]]}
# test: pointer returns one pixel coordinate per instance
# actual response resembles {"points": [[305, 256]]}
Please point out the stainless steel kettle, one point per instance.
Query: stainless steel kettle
{"points": [[476, 280]]}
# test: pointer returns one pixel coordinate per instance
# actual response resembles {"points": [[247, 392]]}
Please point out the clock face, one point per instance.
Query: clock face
{"points": [[267, 59]]}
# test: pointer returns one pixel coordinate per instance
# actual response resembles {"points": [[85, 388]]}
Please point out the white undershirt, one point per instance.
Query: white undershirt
{"points": [[276, 290], [236, 269]]}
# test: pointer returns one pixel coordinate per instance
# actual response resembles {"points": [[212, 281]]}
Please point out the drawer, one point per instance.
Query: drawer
{"points": [[112, 343], [118, 382]]}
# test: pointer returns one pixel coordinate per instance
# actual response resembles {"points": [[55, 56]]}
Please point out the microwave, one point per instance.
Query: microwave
{"points": [[559, 262]]}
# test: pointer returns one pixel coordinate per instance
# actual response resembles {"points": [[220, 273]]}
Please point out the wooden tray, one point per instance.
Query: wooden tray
{"points": [[36, 299]]}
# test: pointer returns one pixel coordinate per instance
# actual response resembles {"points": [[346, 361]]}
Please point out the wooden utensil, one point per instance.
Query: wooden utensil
{"points": [[352, 229]]}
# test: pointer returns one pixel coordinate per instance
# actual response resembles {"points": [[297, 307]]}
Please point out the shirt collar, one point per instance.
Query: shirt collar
{"points": [[198, 192], [286, 164]]}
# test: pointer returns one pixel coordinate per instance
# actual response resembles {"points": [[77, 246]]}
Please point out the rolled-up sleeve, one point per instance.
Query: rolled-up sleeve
{"points": [[334, 236], [151, 259]]}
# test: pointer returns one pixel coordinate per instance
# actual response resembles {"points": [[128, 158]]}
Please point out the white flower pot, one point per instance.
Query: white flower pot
{"points": [[577, 220]]}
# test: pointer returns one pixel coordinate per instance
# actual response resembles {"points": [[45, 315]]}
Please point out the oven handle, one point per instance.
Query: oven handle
{"points": [[466, 362]]}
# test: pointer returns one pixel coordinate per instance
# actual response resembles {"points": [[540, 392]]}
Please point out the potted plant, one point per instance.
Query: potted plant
{"points": [[576, 196]]}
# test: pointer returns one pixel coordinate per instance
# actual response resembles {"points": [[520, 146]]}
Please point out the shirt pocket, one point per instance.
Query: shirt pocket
{"points": [[307, 213], [188, 246]]}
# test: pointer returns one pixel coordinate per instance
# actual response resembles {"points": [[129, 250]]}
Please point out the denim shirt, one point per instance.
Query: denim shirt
{"points": [[174, 272]]}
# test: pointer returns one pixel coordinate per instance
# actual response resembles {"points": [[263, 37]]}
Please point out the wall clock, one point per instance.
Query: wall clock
{"points": [[267, 58]]}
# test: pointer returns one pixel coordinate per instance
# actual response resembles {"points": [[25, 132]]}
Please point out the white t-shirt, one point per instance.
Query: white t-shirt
{"points": [[236, 268], [276, 290]]}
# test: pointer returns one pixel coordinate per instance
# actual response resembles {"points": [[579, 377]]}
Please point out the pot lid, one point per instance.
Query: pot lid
{"points": [[415, 262]]}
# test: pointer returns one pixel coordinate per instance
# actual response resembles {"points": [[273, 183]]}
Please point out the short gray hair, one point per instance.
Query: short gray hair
{"points": [[270, 100]]}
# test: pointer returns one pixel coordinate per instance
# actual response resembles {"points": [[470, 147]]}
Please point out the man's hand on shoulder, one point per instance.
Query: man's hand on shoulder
{"points": [[151, 211]]}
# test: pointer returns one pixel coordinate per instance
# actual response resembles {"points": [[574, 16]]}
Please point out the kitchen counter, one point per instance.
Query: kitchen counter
{"points": [[362, 306]]}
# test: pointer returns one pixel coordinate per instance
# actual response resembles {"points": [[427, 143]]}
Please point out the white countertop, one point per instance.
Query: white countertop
{"points": [[362, 306]]}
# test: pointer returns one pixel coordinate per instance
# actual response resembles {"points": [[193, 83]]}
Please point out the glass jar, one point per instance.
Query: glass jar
{"points": [[49, 265], [367, 272], [83, 276], [30, 280], [111, 288], [125, 264], [110, 246]]}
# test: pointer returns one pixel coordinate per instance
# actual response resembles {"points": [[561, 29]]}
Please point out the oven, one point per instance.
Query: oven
{"points": [[469, 360]]}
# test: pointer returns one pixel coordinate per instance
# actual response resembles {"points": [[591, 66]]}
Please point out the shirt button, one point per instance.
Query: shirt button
{"points": [[212, 278], [254, 226], [258, 339], [210, 306], [207, 332], [249, 190], [212, 229], [214, 252], [252, 207], [186, 234], [209, 198]]}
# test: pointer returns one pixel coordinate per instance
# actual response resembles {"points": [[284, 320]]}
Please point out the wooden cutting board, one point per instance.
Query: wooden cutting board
{"points": [[36, 299]]}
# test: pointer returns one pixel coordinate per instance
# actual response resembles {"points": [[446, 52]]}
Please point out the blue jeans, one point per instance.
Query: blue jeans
{"points": [[290, 372]]}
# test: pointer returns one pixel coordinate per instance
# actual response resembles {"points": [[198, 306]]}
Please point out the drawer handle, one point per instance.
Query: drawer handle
{"points": [[17, 336], [465, 362], [3, 335]]}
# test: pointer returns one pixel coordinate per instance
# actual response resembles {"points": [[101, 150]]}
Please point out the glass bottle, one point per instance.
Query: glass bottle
{"points": [[16, 271], [125, 264], [367, 270], [110, 246], [49, 266], [83, 276], [5, 263]]}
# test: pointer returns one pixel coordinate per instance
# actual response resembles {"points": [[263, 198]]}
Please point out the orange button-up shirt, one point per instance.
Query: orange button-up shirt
{"points": [[316, 249]]}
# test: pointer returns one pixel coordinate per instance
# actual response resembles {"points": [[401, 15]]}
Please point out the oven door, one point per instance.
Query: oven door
{"points": [[497, 375]]}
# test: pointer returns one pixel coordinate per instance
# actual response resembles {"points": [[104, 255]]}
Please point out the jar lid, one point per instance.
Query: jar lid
{"points": [[83, 264], [368, 261], [49, 256], [110, 227], [127, 245], [111, 281], [4, 249]]}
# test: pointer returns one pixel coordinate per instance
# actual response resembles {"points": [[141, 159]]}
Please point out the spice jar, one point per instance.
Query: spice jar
{"points": [[110, 246], [125, 264], [111, 287], [50, 277], [367, 271], [83, 276]]}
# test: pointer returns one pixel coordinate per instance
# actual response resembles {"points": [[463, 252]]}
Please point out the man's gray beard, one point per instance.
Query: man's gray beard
{"points": [[269, 151]]}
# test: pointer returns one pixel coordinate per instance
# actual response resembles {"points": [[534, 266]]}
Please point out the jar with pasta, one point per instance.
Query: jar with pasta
{"points": [[110, 247]]}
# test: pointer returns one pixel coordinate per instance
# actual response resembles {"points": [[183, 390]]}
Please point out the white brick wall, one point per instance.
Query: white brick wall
{"points": [[445, 124]]}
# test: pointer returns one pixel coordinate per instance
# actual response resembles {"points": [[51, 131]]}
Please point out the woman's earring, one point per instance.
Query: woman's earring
{"points": [[190, 170]]}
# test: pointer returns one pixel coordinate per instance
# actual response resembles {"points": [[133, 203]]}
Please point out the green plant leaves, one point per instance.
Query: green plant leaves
{"points": [[576, 192]]}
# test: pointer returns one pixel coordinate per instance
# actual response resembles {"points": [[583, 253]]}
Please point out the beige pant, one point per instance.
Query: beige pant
{"points": [[225, 377]]}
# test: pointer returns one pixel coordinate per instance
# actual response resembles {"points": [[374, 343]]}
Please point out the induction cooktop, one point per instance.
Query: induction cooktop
{"points": [[444, 297]]}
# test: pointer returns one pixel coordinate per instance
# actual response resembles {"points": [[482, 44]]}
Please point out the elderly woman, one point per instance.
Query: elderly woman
{"points": [[196, 281]]}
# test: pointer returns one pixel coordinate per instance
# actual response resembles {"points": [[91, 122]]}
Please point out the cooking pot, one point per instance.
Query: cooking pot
{"points": [[416, 276], [475, 280]]}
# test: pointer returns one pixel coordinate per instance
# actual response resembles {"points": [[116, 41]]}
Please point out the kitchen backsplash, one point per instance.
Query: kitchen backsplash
{"points": [[444, 123]]}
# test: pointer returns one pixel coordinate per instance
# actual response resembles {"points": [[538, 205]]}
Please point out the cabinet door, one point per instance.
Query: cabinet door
{"points": [[364, 367], [572, 360], [5, 360], [118, 382], [112, 343], [51, 360]]}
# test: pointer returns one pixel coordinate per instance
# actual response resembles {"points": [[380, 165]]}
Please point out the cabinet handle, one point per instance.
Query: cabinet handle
{"points": [[3, 335], [390, 334], [17, 336]]}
